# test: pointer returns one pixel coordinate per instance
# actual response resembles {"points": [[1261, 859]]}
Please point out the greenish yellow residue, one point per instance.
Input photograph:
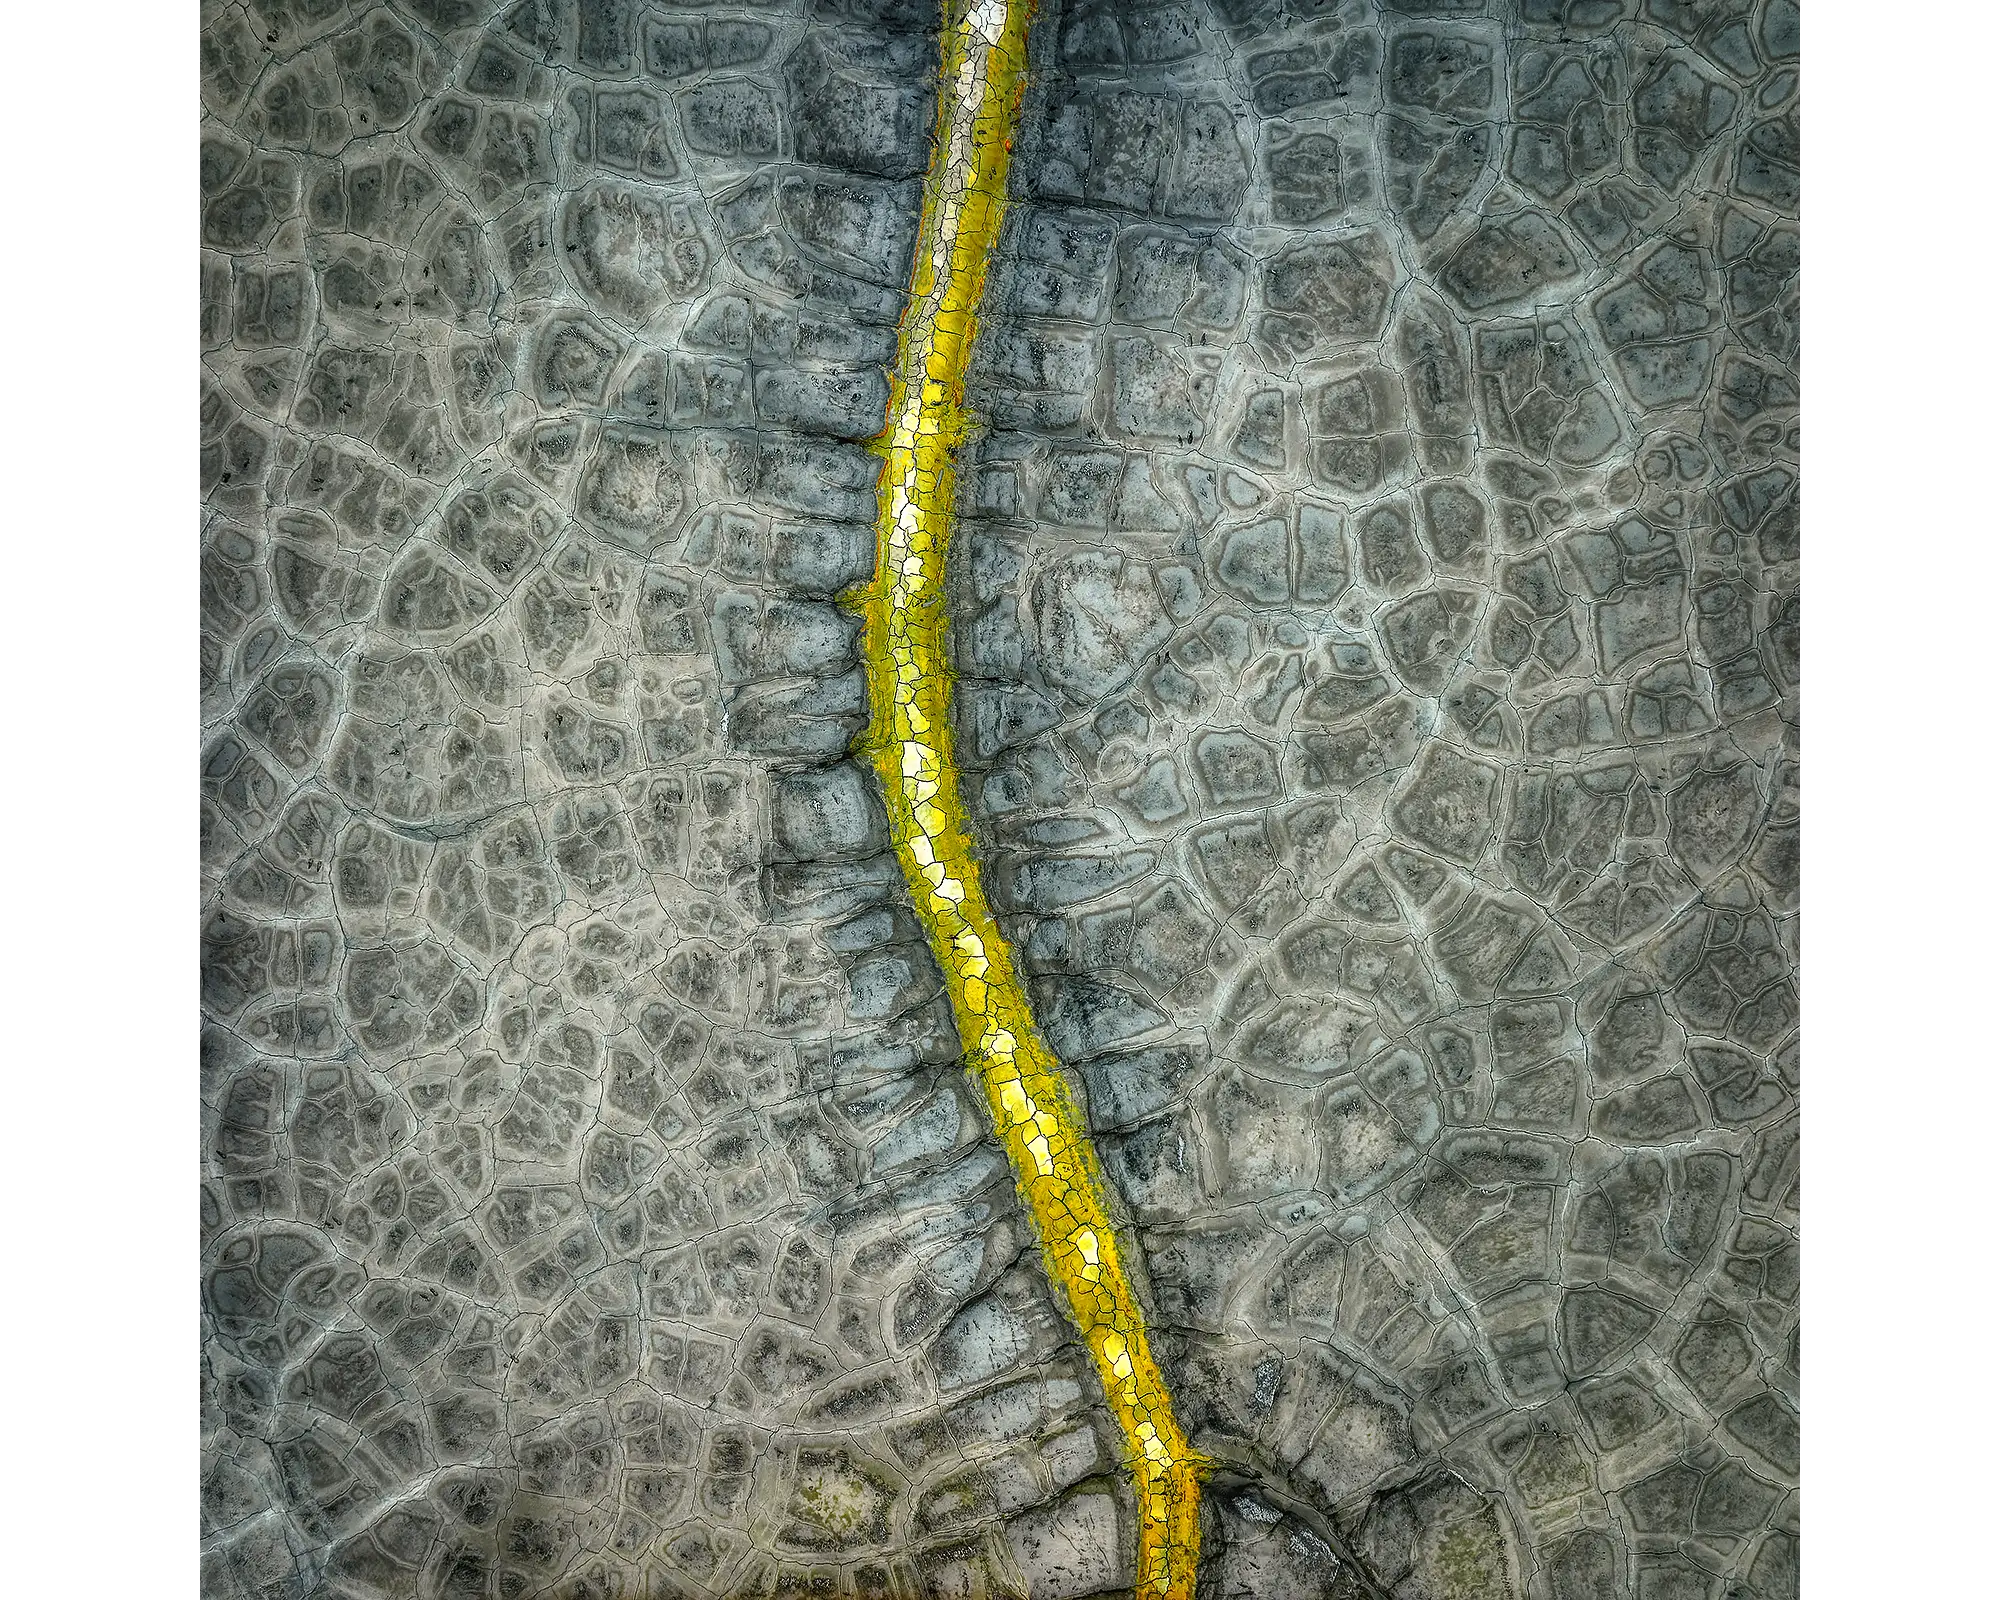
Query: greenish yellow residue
{"points": [[909, 740]]}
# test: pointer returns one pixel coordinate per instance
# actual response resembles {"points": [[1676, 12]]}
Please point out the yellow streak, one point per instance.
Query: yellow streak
{"points": [[909, 739]]}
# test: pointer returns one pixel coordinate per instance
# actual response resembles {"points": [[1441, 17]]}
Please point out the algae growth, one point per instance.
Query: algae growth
{"points": [[909, 741]]}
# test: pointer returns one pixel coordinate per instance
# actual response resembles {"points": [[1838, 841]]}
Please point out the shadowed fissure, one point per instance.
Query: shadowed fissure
{"points": [[909, 740]]}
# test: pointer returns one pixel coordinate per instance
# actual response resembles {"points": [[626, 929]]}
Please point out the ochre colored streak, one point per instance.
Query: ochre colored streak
{"points": [[909, 739]]}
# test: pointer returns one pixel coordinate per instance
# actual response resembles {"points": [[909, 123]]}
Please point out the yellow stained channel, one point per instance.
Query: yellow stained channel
{"points": [[909, 739]]}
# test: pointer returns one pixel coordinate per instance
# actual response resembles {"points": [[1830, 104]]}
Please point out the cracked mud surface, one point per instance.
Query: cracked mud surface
{"points": [[1376, 619], [1089, 1259]]}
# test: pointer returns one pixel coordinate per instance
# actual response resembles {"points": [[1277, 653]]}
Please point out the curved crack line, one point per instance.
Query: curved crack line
{"points": [[982, 75]]}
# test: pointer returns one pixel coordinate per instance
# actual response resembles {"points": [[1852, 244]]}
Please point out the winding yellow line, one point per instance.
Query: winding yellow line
{"points": [[909, 740]]}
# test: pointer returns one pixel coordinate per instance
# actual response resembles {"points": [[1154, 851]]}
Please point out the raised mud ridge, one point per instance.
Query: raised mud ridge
{"points": [[909, 739]]}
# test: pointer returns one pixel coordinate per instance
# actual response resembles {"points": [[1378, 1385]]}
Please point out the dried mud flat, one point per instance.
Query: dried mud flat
{"points": [[1374, 618]]}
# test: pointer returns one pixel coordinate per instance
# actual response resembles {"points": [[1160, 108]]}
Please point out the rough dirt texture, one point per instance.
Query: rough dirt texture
{"points": [[1378, 634]]}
